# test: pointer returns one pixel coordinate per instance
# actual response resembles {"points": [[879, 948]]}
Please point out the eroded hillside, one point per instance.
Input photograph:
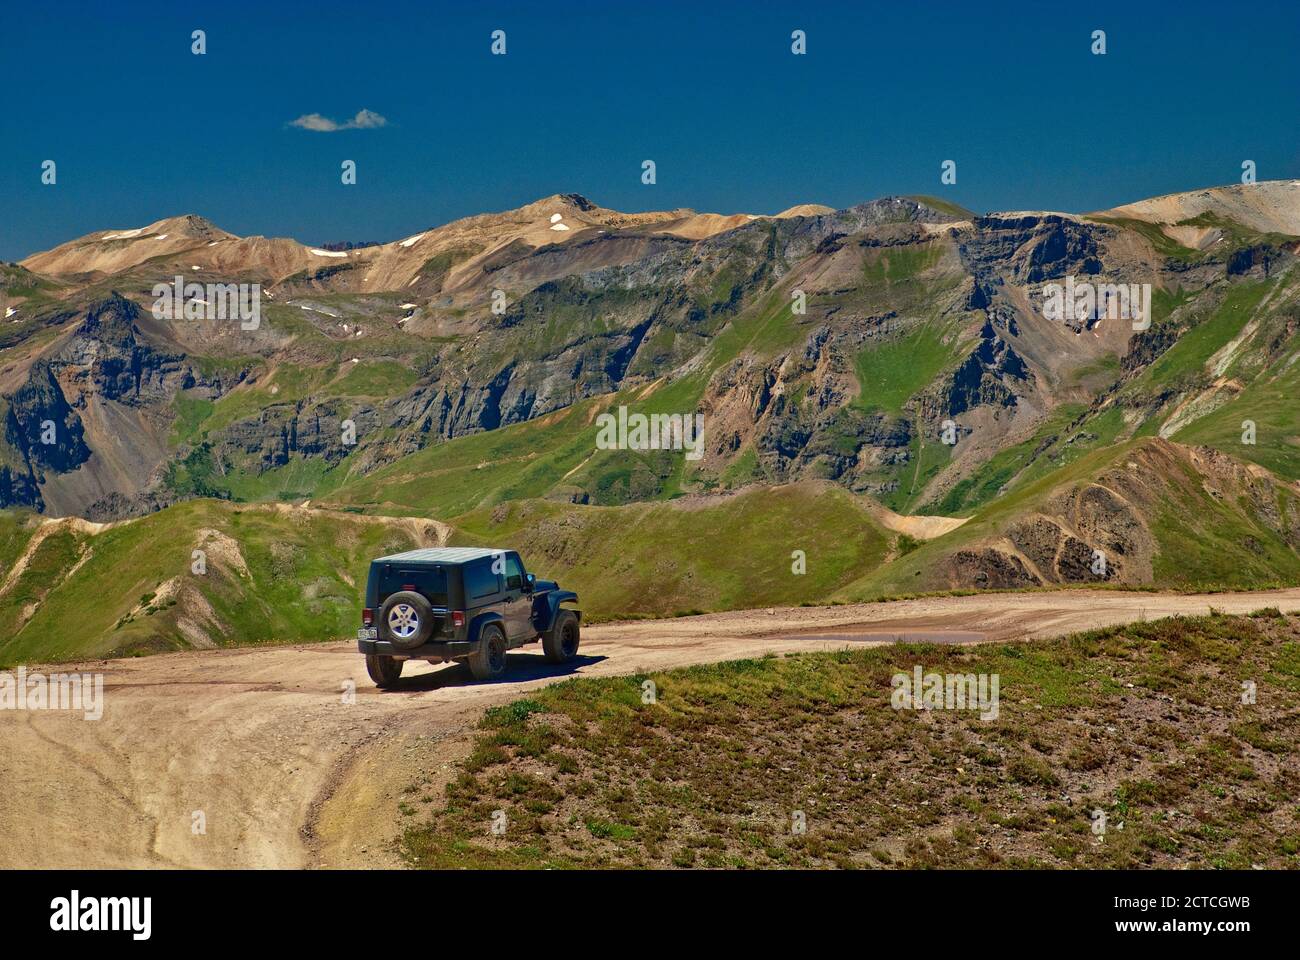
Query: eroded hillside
{"points": [[896, 357]]}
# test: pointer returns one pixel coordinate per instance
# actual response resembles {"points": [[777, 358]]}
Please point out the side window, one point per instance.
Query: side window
{"points": [[514, 573], [480, 581]]}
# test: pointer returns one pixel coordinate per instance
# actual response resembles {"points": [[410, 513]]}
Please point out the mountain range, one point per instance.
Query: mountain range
{"points": [[881, 389]]}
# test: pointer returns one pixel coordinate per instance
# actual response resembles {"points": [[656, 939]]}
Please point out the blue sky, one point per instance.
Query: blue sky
{"points": [[142, 129]]}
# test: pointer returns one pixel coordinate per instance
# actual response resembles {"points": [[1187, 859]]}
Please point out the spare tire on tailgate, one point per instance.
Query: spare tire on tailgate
{"points": [[406, 620]]}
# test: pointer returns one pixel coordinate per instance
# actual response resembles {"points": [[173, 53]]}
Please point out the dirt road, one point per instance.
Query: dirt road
{"points": [[260, 747]]}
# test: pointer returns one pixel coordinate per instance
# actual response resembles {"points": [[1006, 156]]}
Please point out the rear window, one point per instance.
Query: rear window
{"points": [[480, 581], [429, 581]]}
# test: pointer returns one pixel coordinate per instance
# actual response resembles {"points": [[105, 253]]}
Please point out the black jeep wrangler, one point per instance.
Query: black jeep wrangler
{"points": [[465, 604]]}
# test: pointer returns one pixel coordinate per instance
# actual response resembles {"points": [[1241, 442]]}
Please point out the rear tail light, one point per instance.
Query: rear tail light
{"points": [[458, 618], [367, 617]]}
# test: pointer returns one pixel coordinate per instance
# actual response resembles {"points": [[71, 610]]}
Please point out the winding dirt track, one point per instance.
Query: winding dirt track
{"points": [[287, 774]]}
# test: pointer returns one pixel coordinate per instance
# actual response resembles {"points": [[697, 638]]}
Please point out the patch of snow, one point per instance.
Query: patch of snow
{"points": [[409, 241], [327, 253], [159, 236], [356, 359], [10, 311], [214, 243], [407, 306], [559, 226], [195, 267], [124, 235], [412, 283], [556, 217]]}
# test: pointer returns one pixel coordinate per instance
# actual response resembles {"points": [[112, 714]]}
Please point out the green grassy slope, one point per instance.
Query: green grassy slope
{"points": [[1143, 723], [1237, 337], [1009, 466], [271, 577], [1187, 359], [713, 554], [1269, 377], [1202, 541], [447, 479], [289, 575], [893, 371]]}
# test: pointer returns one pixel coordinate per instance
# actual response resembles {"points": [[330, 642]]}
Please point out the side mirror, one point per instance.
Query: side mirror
{"points": [[529, 583]]}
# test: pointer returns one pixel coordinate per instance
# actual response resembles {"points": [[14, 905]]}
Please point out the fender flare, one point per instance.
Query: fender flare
{"points": [[478, 623], [553, 601]]}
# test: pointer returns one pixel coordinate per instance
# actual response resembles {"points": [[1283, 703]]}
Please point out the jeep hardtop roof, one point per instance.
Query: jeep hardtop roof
{"points": [[449, 555]]}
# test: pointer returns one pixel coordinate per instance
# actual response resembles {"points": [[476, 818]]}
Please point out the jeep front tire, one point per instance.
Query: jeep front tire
{"points": [[488, 661], [383, 670], [560, 644]]}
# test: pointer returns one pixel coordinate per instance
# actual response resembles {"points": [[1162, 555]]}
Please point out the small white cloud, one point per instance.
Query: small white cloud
{"points": [[314, 121], [368, 119], [364, 120]]}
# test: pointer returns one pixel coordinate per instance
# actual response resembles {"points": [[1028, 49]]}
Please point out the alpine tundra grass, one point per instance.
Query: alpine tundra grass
{"points": [[1127, 747]]}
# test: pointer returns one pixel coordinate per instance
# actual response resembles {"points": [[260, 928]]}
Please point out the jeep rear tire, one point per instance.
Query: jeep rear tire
{"points": [[383, 670], [560, 644], [406, 620], [488, 661]]}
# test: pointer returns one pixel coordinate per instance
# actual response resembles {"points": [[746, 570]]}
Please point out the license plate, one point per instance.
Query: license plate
{"points": [[368, 633]]}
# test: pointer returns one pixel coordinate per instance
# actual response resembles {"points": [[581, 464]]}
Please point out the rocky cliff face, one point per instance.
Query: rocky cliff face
{"points": [[835, 345], [84, 397], [41, 433], [282, 433], [108, 357]]}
